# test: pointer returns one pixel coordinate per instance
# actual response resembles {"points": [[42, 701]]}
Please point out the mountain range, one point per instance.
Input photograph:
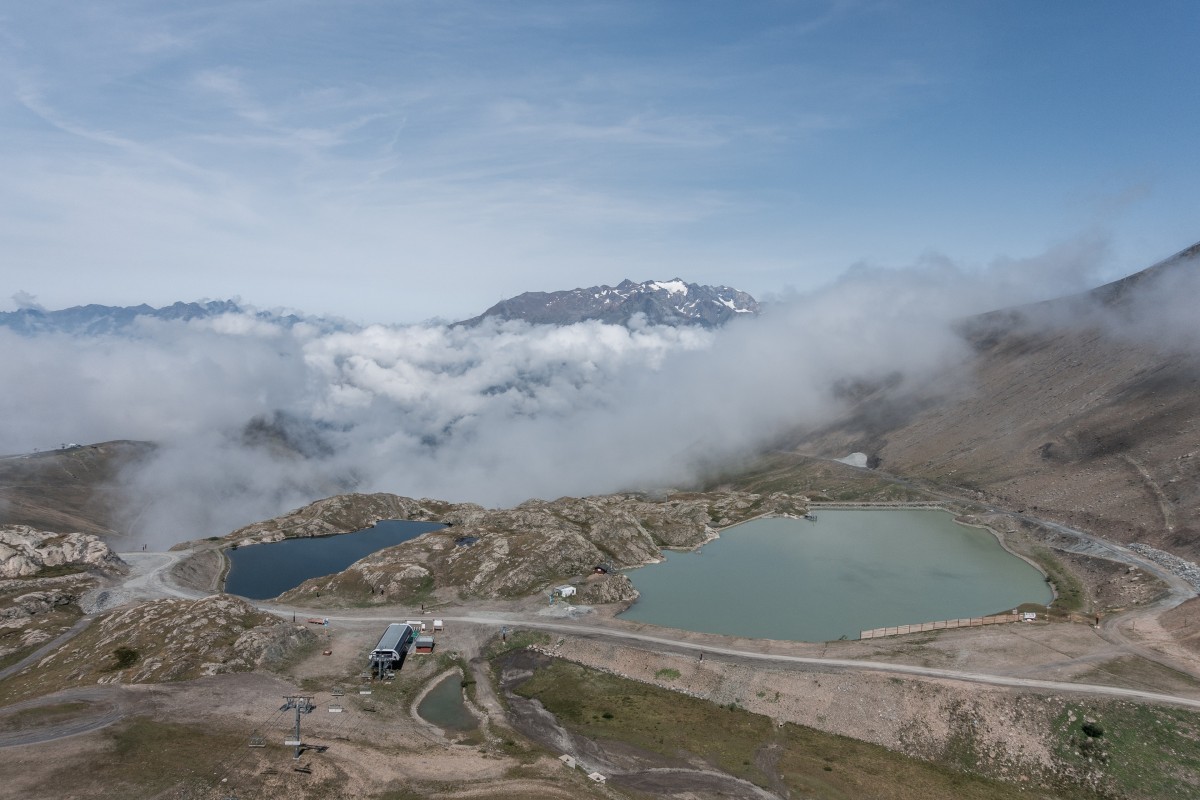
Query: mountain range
{"points": [[671, 302], [93, 320]]}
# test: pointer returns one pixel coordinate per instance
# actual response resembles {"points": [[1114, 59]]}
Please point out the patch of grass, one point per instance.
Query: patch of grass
{"points": [[124, 657], [53, 623], [39, 716], [400, 794], [422, 592], [59, 571], [516, 640], [520, 750], [1137, 673], [141, 758], [812, 763], [667, 674], [1140, 751], [15, 656], [1068, 590]]}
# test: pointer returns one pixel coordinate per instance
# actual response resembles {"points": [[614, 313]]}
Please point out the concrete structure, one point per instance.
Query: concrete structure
{"points": [[568, 760]]}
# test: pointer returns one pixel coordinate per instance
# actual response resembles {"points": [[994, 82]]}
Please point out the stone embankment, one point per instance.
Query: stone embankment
{"points": [[1187, 570]]}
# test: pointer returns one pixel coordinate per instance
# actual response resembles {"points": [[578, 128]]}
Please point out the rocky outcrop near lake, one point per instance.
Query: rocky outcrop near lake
{"points": [[510, 552]]}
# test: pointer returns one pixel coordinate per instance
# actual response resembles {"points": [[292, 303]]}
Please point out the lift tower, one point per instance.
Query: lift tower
{"points": [[303, 705]]}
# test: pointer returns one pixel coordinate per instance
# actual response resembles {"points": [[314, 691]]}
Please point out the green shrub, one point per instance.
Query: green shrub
{"points": [[125, 657]]}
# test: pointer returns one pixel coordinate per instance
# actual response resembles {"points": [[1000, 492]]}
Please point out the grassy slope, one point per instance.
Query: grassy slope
{"points": [[810, 763]]}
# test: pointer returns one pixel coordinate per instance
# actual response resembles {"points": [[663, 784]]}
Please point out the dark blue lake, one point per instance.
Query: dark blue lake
{"points": [[261, 571]]}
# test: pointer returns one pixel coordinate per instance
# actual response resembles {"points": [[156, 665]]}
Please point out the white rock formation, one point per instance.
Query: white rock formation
{"points": [[25, 551]]}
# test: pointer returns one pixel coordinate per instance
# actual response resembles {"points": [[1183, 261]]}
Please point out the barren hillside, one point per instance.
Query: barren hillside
{"points": [[1082, 409], [67, 490]]}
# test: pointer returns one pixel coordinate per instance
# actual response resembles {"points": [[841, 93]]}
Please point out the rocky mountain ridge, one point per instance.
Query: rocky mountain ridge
{"points": [[672, 302], [97, 320]]}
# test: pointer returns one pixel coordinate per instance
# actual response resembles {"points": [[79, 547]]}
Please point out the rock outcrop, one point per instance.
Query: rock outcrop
{"points": [[171, 640], [603, 589], [517, 551], [342, 514], [25, 552]]}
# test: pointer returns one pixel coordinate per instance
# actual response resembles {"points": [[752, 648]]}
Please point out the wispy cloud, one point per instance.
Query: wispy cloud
{"points": [[508, 147]]}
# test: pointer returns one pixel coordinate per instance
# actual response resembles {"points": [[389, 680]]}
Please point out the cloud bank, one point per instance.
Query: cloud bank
{"points": [[254, 418]]}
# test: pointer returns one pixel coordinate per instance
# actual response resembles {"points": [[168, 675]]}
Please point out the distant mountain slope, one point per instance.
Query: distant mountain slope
{"points": [[672, 302], [71, 489], [91, 320], [1083, 409]]}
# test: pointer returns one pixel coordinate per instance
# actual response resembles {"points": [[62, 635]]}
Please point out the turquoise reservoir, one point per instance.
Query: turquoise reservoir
{"points": [[847, 572]]}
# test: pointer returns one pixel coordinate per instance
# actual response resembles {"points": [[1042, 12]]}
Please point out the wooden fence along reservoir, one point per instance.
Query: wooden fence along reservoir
{"points": [[921, 627]]}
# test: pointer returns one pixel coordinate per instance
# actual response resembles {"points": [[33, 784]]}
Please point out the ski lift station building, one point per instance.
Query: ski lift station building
{"points": [[393, 644]]}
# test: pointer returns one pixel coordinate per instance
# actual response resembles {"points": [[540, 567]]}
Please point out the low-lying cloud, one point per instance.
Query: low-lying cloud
{"points": [[255, 418]]}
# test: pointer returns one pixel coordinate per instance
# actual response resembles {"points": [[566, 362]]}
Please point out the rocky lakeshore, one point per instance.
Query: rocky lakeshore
{"points": [[511, 552]]}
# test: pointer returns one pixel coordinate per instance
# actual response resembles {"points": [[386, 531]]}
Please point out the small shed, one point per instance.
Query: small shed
{"points": [[437, 625], [423, 644], [565, 591]]}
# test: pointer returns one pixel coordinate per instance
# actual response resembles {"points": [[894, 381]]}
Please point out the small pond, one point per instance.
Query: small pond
{"points": [[261, 571], [443, 706], [847, 572]]}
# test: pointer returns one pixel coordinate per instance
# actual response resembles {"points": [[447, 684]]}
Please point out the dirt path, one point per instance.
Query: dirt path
{"points": [[76, 629], [105, 706]]}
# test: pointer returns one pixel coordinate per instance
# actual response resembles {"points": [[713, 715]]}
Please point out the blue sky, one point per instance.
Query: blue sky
{"points": [[396, 161]]}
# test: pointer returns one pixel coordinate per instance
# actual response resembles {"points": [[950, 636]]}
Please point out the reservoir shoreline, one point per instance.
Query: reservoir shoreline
{"points": [[848, 571]]}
